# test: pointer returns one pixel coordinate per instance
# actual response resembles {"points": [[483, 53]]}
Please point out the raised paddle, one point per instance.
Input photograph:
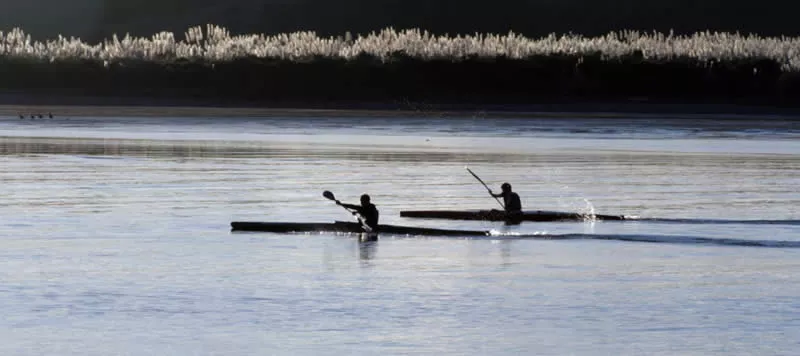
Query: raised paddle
{"points": [[327, 194], [486, 186]]}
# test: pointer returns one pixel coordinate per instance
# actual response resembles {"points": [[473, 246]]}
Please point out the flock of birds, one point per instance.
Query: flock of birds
{"points": [[35, 116]]}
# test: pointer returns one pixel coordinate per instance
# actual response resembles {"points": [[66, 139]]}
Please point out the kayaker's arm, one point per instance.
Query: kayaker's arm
{"points": [[349, 206]]}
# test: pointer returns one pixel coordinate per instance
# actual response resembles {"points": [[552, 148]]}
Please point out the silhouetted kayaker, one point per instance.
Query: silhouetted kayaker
{"points": [[510, 199], [367, 210]]}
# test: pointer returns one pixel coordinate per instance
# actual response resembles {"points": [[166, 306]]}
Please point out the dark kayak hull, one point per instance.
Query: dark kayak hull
{"points": [[498, 215], [347, 227]]}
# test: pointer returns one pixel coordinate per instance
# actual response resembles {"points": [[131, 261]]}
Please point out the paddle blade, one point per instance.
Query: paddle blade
{"points": [[327, 194]]}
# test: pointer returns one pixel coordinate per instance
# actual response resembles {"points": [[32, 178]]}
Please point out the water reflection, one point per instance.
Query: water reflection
{"points": [[505, 253], [367, 247], [238, 149], [342, 149], [100, 147]]}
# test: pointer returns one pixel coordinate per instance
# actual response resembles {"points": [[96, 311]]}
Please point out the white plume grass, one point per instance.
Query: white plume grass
{"points": [[214, 44]]}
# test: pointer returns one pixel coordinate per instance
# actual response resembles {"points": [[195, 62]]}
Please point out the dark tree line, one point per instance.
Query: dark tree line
{"points": [[94, 20], [476, 82], [529, 17]]}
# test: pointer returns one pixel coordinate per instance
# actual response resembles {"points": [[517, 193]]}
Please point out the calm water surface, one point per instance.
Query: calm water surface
{"points": [[115, 240]]}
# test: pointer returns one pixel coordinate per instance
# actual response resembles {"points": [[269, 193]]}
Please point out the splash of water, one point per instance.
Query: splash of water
{"points": [[590, 214], [495, 232]]}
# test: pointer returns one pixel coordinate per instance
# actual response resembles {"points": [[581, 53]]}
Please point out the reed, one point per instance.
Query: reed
{"points": [[215, 44], [209, 63]]}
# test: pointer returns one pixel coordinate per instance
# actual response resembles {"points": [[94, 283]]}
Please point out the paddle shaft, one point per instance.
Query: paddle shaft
{"points": [[360, 219], [487, 187]]}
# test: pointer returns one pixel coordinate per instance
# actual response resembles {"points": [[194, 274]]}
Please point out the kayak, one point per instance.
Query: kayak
{"points": [[348, 227], [499, 215]]}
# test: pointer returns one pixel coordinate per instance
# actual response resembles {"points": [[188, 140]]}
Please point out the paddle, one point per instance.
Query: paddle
{"points": [[487, 187], [327, 194]]}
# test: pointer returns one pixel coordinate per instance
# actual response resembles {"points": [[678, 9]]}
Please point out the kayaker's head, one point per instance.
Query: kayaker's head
{"points": [[506, 187], [365, 199]]}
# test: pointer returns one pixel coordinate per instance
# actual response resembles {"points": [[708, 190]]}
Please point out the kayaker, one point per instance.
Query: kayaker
{"points": [[510, 199], [367, 210]]}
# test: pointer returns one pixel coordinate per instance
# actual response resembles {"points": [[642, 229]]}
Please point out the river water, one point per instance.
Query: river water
{"points": [[115, 236]]}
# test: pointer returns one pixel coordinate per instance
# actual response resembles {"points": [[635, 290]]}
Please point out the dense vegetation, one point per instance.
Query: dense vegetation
{"points": [[409, 65]]}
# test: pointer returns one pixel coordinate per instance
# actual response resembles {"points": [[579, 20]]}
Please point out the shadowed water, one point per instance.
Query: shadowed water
{"points": [[115, 237]]}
